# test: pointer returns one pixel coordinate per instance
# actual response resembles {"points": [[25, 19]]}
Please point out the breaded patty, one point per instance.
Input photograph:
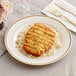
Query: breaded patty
{"points": [[39, 39]]}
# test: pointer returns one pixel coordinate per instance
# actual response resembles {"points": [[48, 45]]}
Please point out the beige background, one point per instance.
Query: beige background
{"points": [[11, 67]]}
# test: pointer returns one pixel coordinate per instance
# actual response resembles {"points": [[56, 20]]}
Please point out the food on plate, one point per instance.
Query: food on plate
{"points": [[38, 41]]}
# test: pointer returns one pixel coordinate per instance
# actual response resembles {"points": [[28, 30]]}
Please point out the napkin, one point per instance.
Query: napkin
{"points": [[70, 68], [65, 5], [47, 11]]}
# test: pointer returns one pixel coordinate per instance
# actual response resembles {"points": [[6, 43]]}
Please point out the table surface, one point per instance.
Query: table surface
{"points": [[10, 67]]}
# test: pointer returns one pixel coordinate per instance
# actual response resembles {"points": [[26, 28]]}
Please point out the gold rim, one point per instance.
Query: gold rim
{"points": [[37, 63]]}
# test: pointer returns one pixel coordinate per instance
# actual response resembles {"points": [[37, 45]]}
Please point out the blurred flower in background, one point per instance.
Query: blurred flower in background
{"points": [[1, 12], [1, 16], [1, 9], [7, 6], [5, 9]]}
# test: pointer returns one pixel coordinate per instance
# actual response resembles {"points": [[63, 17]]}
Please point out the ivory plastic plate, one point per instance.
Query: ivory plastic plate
{"points": [[15, 28]]}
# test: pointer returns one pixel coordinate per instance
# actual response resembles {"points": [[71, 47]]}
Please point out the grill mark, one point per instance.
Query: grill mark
{"points": [[43, 45], [50, 33], [33, 34], [44, 27], [34, 43], [33, 46], [41, 33], [35, 52]]}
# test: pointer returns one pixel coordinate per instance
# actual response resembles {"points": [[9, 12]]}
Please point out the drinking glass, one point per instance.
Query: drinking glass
{"points": [[24, 5]]}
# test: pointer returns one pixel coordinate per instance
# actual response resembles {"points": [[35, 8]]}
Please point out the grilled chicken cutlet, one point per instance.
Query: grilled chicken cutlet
{"points": [[39, 39]]}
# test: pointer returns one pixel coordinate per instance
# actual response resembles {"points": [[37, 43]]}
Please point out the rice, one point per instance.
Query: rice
{"points": [[20, 41]]}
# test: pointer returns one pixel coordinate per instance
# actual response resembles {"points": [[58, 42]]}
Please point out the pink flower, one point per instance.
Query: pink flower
{"points": [[1, 10], [7, 6], [1, 13]]}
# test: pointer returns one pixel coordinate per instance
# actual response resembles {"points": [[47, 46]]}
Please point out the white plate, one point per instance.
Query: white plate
{"points": [[12, 32]]}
